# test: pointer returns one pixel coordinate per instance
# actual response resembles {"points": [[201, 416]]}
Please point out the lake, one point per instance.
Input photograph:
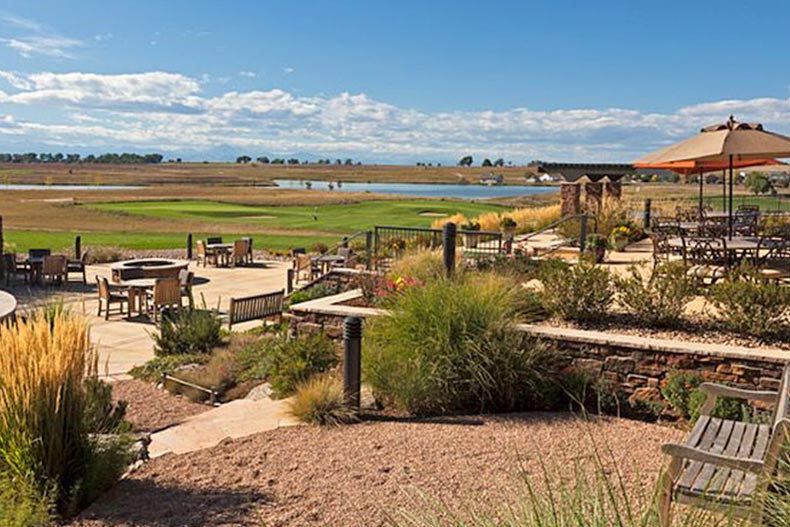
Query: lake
{"points": [[423, 190], [21, 186]]}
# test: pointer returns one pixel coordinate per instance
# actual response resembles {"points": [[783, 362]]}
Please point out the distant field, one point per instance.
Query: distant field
{"points": [[340, 218]]}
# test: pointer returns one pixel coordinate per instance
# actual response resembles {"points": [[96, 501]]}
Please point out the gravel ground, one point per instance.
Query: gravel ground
{"points": [[151, 409], [359, 474]]}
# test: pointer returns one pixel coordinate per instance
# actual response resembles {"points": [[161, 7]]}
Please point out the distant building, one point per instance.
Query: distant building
{"points": [[492, 179]]}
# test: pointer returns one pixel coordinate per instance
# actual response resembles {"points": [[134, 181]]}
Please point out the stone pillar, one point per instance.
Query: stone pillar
{"points": [[613, 190], [593, 198], [570, 199]]}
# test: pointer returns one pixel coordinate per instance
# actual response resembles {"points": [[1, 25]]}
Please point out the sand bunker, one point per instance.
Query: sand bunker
{"points": [[429, 214]]}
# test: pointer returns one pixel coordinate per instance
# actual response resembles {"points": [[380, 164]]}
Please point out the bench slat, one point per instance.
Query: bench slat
{"points": [[705, 442], [722, 475], [733, 485], [760, 444], [703, 481], [255, 307]]}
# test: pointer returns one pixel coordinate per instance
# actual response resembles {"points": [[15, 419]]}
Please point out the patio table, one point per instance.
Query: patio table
{"points": [[220, 249], [137, 290], [326, 261], [739, 247], [35, 264]]}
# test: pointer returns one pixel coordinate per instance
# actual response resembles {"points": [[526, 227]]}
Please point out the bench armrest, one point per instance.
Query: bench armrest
{"points": [[720, 390], [694, 454]]}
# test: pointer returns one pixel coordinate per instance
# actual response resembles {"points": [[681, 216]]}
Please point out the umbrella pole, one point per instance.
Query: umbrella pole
{"points": [[730, 208], [724, 190], [700, 193]]}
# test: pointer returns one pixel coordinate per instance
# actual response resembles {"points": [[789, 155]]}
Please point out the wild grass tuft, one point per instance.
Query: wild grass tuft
{"points": [[319, 400]]}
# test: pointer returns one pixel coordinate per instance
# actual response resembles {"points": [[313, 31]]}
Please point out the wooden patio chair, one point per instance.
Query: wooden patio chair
{"points": [[706, 258], [166, 294], [212, 240], [349, 258], [249, 249], [78, 266], [39, 253], [14, 269], [203, 253], [727, 465], [54, 269], [240, 252], [306, 268], [107, 298]]}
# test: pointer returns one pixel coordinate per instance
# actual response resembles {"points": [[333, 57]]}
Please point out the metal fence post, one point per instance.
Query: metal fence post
{"points": [[648, 206], [448, 245], [77, 246], [352, 360], [189, 246], [2, 250], [368, 249]]}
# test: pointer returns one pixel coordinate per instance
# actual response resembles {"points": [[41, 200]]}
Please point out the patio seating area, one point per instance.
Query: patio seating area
{"points": [[224, 254]]}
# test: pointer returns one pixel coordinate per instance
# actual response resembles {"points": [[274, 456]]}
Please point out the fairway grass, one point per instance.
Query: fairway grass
{"points": [[340, 218]]}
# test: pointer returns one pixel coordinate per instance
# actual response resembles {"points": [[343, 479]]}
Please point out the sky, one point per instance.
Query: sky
{"points": [[386, 81]]}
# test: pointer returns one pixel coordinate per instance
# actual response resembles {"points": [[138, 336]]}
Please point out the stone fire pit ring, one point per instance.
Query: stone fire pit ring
{"points": [[147, 268]]}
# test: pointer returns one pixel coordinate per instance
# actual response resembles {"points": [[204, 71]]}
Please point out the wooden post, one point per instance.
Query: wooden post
{"points": [[77, 247], [368, 249], [189, 246], [289, 282], [647, 214], [2, 249]]}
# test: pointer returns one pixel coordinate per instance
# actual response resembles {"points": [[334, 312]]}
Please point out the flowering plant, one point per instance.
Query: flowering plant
{"points": [[398, 285]]}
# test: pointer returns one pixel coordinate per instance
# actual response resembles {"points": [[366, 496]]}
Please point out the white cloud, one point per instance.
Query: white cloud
{"points": [[30, 38], [248, 74], [288, 70], [169, 111]]}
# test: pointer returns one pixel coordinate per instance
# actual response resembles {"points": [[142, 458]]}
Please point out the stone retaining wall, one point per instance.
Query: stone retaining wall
{"points": [[636, 365]]}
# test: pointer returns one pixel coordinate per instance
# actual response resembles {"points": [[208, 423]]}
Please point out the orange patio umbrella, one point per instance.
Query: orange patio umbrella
{"points": [[728, 142], [700, 167]]}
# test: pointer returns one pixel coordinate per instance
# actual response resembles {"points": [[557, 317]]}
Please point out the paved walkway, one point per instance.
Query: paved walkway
{"points": [[235, 419], [124, 343]]}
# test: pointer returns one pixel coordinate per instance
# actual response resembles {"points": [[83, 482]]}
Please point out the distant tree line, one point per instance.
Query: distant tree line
{"points": [[467, 161], [115, 159], [264, 160]]}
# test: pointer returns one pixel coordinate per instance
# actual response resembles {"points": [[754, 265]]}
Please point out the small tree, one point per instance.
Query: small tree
{"points": [[466, 161], [758, 183], [263, 160], [499, 162], [486, 163], [243, 159]]}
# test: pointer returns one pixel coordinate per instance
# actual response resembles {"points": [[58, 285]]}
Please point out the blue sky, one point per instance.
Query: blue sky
{"points": [[386, 81]]}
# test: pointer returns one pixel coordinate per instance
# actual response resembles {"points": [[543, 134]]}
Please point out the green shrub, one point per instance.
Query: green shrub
{"points": [[190, 331], [681, 390], [290, 361], [451, 346], [581, 292], [22, 505], [102, 415], [107, 459], [311, 293], [661, 299], [423, 265], [746, 302], [319, 400], [219, 373], [156, 368]]}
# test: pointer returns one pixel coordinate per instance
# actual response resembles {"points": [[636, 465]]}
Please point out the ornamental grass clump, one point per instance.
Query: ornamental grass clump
{"points": [[451, 345], [661, 298], [581, 293], [50, 403], [319, 400], [748, 303]]}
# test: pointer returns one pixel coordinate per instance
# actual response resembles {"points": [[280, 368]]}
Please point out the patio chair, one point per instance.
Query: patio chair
{"points": [[203, 253], [39, 253], [214, 240], [662, 251], [249, 249], [745, 223], [748, 208], [167, 294], [240, 252], [186, 278], [78, 266], [775, 265], [107, 298], [666, 225], [706, 258], [349, 258], [55, 269], [306, 267], [713, 229], [12, 268]]}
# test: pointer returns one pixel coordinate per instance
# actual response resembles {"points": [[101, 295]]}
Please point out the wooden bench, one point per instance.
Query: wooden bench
{"points": [[257, 307], [726, 464]]}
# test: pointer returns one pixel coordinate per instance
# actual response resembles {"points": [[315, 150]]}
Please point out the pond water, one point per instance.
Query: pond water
{"points": [[423, 190], [21, 186]]}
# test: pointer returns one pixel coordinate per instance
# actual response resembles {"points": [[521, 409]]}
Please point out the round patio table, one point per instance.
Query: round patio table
{"points": [[222, 251], [136, 290], [737, 243], [7, 305]]}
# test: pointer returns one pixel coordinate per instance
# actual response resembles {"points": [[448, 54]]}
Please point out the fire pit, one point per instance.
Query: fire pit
{"points": [[147, 268]]}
